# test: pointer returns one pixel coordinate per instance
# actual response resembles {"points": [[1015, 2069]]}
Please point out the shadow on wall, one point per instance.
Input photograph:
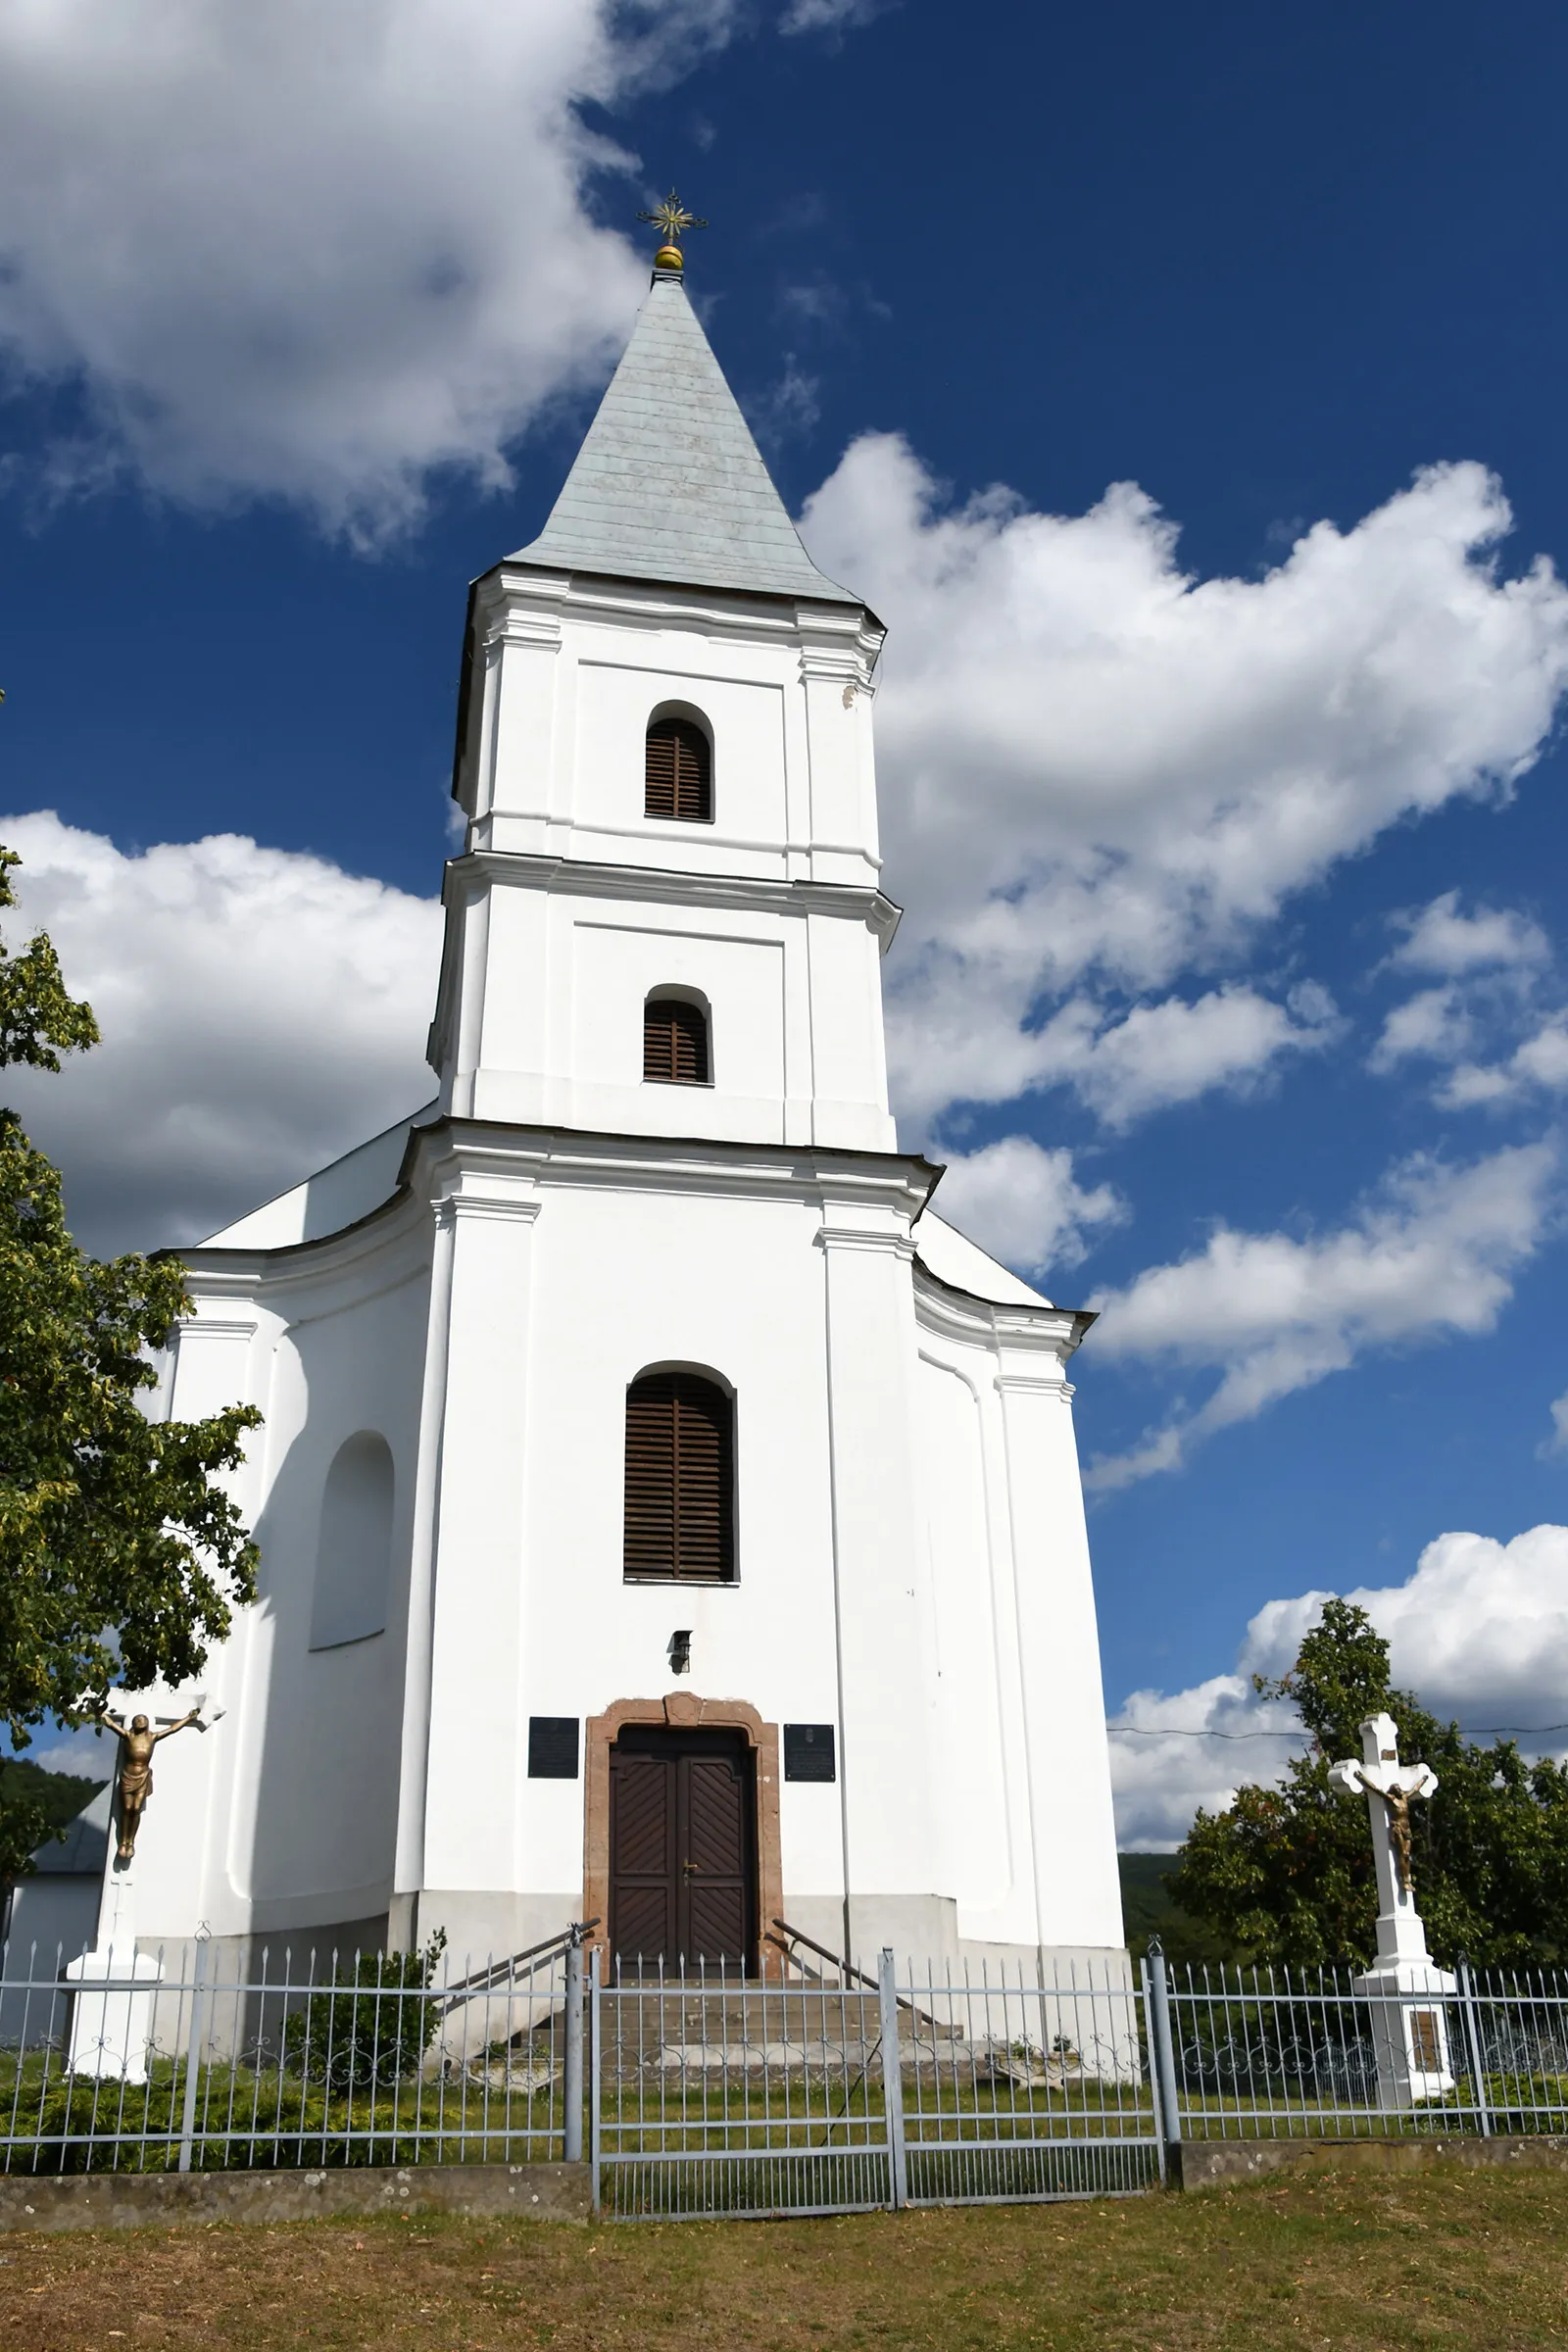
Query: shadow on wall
{"points": [[330, 1620]]}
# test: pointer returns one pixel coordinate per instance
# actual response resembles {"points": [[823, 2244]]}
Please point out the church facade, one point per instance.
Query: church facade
{"points": [[665, 1517]]}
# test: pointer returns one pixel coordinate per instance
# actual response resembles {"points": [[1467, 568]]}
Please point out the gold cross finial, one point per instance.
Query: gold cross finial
{"points": [[671, 218]]}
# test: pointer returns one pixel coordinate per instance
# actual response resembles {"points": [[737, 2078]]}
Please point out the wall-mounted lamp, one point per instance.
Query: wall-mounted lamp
{"points": [[679, 1654]]}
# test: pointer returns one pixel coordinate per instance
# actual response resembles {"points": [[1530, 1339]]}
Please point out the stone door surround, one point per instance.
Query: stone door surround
{"points": [[682, 1710]]}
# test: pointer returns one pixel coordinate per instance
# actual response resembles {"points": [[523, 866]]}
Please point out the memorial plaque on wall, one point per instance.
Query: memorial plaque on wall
{"points": [[808, 1752], [551, 1747]]}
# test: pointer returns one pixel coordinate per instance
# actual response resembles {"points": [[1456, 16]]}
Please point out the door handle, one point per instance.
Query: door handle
{"points": [[690, 1866]]}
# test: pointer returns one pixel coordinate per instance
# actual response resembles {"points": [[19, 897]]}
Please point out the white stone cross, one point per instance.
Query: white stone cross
{"points": [[1390, 1787], [1405, 1992]]}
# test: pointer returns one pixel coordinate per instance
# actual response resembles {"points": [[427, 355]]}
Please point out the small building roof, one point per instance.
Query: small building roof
{"points": [[80, 1853], [669, 483]]}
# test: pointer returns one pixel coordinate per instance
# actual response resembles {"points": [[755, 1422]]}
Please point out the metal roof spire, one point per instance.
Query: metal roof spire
{"points": [[669, 483]]}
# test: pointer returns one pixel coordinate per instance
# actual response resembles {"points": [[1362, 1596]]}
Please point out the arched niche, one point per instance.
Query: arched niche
{"points": [[354, 1551]]}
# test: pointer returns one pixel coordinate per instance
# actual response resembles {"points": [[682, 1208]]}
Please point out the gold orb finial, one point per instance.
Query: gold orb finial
{"points": [[673, 219]]}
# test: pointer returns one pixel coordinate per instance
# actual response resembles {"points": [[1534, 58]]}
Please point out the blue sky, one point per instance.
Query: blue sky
{"points": [[1233, 977]]}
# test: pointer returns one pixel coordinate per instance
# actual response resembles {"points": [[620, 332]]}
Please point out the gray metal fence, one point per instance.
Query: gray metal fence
{"points": [[175, 2063], [826, 2088], [1255, 2053], [839, 2089]]}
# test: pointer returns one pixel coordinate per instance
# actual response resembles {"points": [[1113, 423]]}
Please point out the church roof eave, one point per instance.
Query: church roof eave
{"points": [[1074, 1321]]}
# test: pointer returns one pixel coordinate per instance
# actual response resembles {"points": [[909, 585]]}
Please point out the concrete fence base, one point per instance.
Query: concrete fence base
{"points": [[1227, 2163], [557, 2192]]}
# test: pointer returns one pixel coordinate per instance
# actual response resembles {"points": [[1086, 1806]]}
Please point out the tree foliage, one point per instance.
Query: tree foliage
{"points": [[1285, 1875], [120, 1559]]}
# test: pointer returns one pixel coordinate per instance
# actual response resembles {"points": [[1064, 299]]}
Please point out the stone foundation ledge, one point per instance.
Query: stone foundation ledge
{"points": [[1226, 2163], [557, 2192]]}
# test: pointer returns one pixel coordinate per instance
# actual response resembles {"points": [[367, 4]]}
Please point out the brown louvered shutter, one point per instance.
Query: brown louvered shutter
{"points": [[674, 1042], [678, 779], [680, 1481]]}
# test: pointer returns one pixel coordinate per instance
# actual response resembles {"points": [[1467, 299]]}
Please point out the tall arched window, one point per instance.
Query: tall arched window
{"points": [[675, 1042], [680, 1478], [678, 775], [354, 1557]]}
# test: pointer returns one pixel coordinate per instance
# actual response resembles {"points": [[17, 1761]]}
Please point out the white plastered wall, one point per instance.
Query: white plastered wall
{"points": [[1024, 1771], [281, 1819], [572, 904]]}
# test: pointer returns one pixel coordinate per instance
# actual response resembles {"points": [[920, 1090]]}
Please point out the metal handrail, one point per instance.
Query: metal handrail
{"points": [[565, 1940], [846, 1967]]}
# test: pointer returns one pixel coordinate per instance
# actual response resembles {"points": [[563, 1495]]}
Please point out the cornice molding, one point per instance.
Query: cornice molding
{"points": [[441, 1156], [394, 1223], [456, 1167], [467, 1207], [858, 1237], [729, 611], [1021, 1384], [1053, 1331], [586, 877]]}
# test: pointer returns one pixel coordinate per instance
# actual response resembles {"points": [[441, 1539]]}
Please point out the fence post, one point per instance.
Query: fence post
{"points": [[1160, 2035], [1472, 2036], [193, 2053], [892, 2078], [571, 2087], [596, 2046], [1155, 2092]]}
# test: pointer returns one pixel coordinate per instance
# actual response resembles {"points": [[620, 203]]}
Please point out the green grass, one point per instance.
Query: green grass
{"points": [[1443, 2260]]}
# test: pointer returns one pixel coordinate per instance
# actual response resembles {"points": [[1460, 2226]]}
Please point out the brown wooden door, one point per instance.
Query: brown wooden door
{"points": [[682, 1848]]}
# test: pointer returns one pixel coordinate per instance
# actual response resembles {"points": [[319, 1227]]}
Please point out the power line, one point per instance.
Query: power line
{"points": [[1472, 1731]]}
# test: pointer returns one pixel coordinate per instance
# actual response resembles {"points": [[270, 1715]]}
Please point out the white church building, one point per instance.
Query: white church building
{"points": [[665, 1518]]}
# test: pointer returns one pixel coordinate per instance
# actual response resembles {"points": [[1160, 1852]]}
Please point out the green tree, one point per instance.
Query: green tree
{"points": [[121, 1560], [1285, 1874]]}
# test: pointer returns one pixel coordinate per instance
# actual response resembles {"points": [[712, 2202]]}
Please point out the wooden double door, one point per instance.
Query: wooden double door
{"points": [[682, 1848]]}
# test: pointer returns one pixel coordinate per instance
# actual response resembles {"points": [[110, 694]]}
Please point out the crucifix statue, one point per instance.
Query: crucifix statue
{"points": [[1389, 1788], [135, 1784]]}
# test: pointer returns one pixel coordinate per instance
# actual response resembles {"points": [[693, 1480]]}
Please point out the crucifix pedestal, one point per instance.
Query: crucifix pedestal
{"points": [[112, 2014], [1410, 2035]]}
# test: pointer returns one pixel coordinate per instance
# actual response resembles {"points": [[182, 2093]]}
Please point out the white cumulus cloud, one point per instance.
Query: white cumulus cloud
{"points": [[1103, 772], [1440, 938], [1494, 970], [1478, 1632], [261, 1011], [1025, 1204], [1174, 1750], [829, 16], [1430, 1256], [1557, 1443], [1537, 1066], [1434, 1024], [317, 252]]}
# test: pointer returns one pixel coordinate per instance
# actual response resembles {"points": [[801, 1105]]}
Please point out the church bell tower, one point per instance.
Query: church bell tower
{"points": [[666, 1518], [665, 760]]}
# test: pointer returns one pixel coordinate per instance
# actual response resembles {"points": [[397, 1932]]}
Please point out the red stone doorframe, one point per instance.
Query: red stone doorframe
{"points": [[684, 1711]]}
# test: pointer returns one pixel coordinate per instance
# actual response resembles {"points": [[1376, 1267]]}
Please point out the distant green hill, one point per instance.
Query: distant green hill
{"points": [[1147, 1910], [62, 1794]]}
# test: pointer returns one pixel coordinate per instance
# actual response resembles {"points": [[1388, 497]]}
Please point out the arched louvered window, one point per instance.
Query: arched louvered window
{"points": [[680, 1478], [675, 1042], [678, 778]]}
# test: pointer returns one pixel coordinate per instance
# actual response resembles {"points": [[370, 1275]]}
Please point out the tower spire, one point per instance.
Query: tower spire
{"points": [[669, 483]]}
